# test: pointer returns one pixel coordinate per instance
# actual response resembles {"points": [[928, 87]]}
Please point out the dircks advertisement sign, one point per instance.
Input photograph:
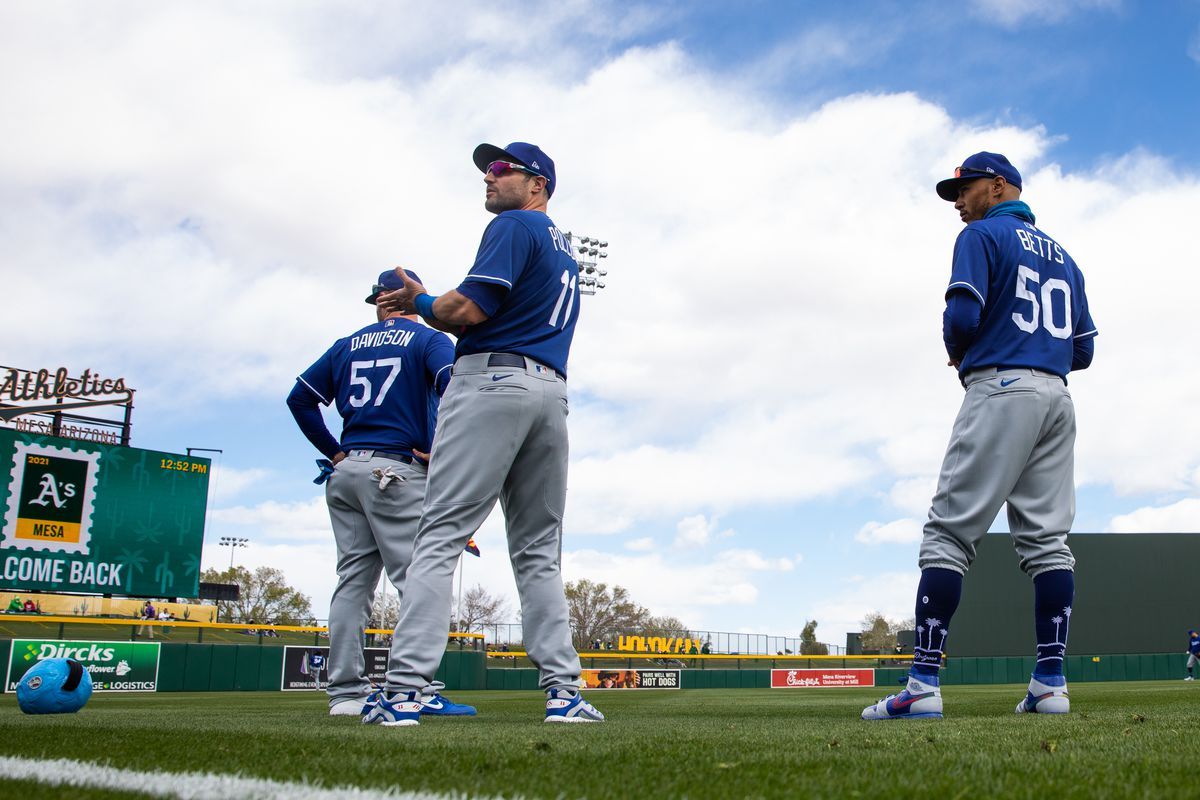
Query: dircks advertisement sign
{"points": [[114, 666]]}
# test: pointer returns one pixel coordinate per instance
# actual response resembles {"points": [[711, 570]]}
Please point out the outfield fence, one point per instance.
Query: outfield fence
{"points": [[711, 642]]}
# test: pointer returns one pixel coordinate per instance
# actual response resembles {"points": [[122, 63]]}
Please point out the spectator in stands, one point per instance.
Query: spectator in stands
{"points": [[30, 606], [706, 649], [15, 604], [148, 615]]}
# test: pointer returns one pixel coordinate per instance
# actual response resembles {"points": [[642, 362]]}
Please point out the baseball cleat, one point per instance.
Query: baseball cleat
{"points": [[567, 706], [437, 705], [1189, 678], [349, 707], [920, 699], [1047, 695], [399, 709]]}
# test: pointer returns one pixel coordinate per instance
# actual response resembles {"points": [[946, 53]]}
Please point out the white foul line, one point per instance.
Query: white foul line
{"points": [[190, 785]]}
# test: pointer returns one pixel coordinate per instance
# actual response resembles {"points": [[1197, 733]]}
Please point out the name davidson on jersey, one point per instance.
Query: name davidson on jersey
{"points": [[395, 337]]}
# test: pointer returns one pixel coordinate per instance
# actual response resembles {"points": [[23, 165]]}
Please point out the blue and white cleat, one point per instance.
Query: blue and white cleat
{"points": [[1047, 695], [920, 699], [437, 705], [399, 709], [563, 705]]}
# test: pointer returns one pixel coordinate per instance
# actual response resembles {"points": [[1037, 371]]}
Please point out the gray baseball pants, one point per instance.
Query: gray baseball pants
{"points": [[501, 433], [1014, 442], [374, 528]]}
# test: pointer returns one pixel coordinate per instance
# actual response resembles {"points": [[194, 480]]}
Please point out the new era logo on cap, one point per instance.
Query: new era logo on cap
{"points": [[979, 165], [523, 153]]}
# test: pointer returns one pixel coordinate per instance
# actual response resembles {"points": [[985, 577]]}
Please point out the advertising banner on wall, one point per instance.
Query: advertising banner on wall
{"points": [[94, 518], [820, 678], [630, 678], [114, 666], [308, 667]]}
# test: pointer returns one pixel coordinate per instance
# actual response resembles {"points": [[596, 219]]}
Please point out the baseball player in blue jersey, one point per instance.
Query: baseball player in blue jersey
{"points": [[385, 381], [1016, 322], [502, 434], [1193, 654]]}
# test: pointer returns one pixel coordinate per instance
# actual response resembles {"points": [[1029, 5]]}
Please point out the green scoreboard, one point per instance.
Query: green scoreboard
{"points": [[1133, 594], [99, 519]]}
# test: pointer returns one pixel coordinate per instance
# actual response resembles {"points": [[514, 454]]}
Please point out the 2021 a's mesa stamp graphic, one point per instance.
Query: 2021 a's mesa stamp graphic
{"points": [[53, 494]]}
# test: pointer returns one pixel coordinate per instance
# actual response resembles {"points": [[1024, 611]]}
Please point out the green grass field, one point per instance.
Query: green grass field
{"points": [[1122, 740]]}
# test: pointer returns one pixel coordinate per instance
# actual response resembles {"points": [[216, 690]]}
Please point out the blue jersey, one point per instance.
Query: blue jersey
{"points": [[1194, 645], [382, 380], [524, 253], [1034, 305]]}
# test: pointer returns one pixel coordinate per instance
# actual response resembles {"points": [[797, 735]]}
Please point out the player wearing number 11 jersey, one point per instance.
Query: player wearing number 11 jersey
{"points": [[502, 434], [1016, 322]]}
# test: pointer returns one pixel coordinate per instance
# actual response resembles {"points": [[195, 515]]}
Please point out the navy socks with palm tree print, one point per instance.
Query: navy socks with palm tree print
{"points": [[937, 599], [1053, 594]]}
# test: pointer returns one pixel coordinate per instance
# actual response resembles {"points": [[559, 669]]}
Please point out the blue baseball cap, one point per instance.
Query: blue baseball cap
{"points": [[527, 155], [980, 165], [389, 282]]}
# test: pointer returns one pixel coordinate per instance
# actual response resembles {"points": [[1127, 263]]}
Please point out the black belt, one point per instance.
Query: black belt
{"points": [[403, 458], [512, 360]]}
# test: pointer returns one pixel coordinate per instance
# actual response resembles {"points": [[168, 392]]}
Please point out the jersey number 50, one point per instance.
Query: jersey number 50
{"points": [[1050, 288], [362, 380]]}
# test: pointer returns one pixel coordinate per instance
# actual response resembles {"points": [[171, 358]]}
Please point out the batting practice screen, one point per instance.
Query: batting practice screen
{"points": [[100, 519], [1132, 595]]}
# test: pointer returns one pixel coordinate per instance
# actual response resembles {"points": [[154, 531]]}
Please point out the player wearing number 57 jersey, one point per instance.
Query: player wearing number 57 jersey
{"points": [[1016, 323], [384, 380], [502, 434]]}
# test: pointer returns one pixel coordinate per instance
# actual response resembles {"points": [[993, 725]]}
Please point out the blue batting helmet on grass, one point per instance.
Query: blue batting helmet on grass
{"points": [[54, 686]]}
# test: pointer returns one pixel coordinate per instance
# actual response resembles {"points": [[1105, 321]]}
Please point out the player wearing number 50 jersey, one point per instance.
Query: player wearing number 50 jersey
{"points": [[502, 434], [1016, 323], [384, 381]]}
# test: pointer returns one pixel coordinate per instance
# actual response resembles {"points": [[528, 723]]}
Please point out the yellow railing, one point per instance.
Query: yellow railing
{"points": [[707, 657], [237, 626]]}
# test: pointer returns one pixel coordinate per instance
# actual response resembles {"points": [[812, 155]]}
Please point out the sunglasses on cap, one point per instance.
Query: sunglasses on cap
{"points": [[972, 172], [499, 168]]}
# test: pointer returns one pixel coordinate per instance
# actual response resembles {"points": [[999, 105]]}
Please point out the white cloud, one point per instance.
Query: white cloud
{"points": [[697, 531], [668, 586], [226, 483], [280, 522], [642, 545], [1011, 13], [901, 531], [890, 593], [1180, 517], [913, 495], [1193, 48]]}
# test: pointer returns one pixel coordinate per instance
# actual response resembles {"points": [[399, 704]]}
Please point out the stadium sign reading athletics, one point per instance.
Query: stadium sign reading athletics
{"points": [[94, 518], [820, 678], [44, 392], [113, 666]]}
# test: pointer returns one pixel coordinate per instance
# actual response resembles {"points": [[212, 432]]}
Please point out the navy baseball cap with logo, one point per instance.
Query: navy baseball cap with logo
{"points": [[527, 155], [980, 165], [389, 282]]}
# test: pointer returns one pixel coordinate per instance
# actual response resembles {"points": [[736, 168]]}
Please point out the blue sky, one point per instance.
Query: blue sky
{"points": [[759, 398]]}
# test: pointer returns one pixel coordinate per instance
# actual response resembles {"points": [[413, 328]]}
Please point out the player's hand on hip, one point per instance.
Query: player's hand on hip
{"points": [[338, 457], [402, 299], [953, 363]]}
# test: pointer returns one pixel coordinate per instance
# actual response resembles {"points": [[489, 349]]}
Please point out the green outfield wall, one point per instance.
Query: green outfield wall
{"points": [[1132, 595], [198, 667]]}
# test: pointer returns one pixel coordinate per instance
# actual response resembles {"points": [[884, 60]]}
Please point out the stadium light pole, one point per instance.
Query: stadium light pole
{"points": [[233, 543], [589, 254]]}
